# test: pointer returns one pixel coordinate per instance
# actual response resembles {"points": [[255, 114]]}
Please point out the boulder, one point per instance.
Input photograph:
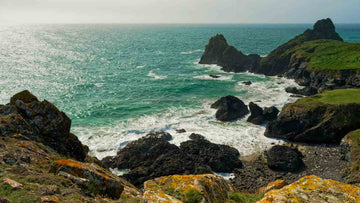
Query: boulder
{"points": [[229, 108], [24, 96], [283, 158], [247, 82], [91, 177], [314, 189], [307, 91], [153, 156], [231, 60], [260, 116], [187, 188]]}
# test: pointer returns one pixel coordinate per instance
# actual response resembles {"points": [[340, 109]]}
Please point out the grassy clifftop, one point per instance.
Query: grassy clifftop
{"points": [[329, 54], [332, 97]]}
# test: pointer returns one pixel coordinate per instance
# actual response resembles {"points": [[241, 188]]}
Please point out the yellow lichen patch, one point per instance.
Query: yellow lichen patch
{"points": [[314, 189], [273, 185], [213, 188]]}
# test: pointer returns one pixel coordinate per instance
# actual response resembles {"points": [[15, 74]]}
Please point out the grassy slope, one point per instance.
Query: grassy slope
{"points": [[329, 54], [333, 97]]}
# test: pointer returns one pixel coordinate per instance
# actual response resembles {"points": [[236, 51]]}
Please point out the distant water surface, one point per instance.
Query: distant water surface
{"points": [[119, 82]]}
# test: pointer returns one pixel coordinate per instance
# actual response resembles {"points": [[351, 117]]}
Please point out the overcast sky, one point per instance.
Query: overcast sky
{"points": [[178, 11]]}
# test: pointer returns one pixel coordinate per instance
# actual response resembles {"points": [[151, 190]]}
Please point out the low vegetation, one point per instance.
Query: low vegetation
{"points": [[240, 197]]}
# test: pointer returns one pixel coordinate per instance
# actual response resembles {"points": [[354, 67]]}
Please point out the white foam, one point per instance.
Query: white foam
{"points": [[140, 66], [156, 77], [247, 138], [191, 52], [208, 77]]}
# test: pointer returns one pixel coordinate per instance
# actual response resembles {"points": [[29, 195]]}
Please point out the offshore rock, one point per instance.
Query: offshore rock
{"points": [[260, 116], [231, 60], [178, 188], [153, 156], [229, 108], [314, 189]]}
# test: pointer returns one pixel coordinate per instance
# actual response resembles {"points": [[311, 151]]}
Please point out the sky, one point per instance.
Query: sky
{"points": [[178, 11]]}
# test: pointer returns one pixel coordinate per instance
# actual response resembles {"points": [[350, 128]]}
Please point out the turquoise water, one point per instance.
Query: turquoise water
{"points": [[118, 82]]}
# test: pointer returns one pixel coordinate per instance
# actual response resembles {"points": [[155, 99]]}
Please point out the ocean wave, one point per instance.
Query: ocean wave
{"points": [[140, 66], [191, 52], [156, 77]]}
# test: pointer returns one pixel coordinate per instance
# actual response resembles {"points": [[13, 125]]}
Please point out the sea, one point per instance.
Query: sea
{"points": [[118, 83]]}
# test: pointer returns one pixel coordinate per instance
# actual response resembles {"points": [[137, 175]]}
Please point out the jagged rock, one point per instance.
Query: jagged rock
{"points": [[180, 130], [231, 60], [229, 108], [259, 116], [283, 158], [247, 82], [42, 122], [176, 188], [97, 180], [307, 91], [312, 121], [314, 189], [153, 156]]}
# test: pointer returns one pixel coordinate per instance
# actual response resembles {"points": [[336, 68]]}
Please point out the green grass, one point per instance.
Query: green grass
{"points": [[330, 54], [245, 197], [340, 96], [193, 196]]}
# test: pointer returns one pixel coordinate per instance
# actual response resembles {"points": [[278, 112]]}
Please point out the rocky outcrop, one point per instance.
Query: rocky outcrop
{"points": [[350, 146], [231, 60], [283, 158], [278, 184], [313, 120], [153, 156], [42, 122], [187, 188], [259, 116], [314, 189], [90, 176], [229, 108]]}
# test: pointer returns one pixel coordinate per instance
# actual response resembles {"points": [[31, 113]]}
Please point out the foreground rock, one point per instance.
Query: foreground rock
{"points": [[322, 118], [259, 116], [42, 122], [187, 188], [231, 60], [283, 158], [153, 156], [229, 108], [314, 189], [91, 176]]}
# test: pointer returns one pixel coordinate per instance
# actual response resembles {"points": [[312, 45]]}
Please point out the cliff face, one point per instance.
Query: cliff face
{"points": [[228, 57]]}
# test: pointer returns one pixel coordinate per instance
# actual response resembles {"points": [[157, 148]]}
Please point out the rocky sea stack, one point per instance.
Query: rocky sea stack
{"points": [[229, 108]]}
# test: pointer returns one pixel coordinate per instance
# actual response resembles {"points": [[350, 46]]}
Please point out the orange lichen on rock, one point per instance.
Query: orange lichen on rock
{"points": [[314, 189], [213, 188], [278, 184]]}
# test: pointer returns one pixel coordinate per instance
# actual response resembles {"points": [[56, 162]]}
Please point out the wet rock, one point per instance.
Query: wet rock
{"points": [[229, 108], [247, 82], [97, 180], [260, 116], [215, 76], [283, 158], [153, 156], [314, 189], [180, 130]]}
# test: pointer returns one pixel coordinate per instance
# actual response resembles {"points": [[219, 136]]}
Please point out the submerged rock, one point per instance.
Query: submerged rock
{"points": [[229, 108], [187, 188], [314, 189], [283, 158], [153, 156]]}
